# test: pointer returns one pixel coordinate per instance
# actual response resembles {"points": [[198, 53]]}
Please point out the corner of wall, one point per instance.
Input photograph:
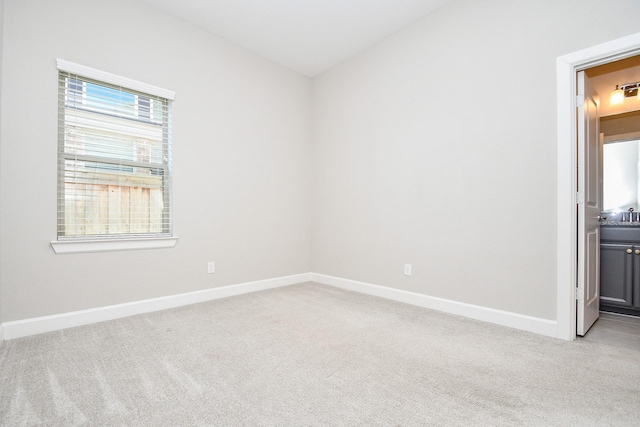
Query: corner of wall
{"points": [[1, 62]]}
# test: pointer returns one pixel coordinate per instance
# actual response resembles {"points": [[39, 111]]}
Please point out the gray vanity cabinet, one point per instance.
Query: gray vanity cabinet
{"points": [[620, 270]]}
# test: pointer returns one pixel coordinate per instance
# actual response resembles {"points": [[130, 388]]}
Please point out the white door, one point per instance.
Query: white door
{"points": [[589, 205]]}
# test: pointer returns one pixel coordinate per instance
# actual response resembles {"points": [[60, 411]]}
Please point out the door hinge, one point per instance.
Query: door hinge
{"points": [[579, 197], [579, 100], [579, 294]]}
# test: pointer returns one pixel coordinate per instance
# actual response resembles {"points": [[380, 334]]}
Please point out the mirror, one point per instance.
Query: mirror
{"points": [[620, 176]]}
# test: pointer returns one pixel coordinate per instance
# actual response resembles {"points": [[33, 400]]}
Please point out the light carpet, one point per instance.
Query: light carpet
{"points": [[312, 355]]}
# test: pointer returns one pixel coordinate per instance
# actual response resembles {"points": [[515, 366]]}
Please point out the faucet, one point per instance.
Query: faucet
{"points": [[631, 215]]}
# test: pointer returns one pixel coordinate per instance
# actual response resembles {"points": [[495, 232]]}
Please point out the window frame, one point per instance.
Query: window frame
{"points": [[115, 242]]}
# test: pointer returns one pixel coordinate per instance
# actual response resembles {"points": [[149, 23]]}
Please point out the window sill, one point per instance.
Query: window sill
{"points": [[83, 246]]}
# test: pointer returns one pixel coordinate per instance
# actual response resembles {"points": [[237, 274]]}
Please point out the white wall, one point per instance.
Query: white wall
{"points": [[1, 62], [437, 147], [241, 157]]}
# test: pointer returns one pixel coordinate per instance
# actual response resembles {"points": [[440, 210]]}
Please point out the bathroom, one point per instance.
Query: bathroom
{"points": [[619, 257]]}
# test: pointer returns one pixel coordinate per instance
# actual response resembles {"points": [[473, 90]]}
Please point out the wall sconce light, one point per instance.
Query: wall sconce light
{"points": [[617, 96], [626, 90]]}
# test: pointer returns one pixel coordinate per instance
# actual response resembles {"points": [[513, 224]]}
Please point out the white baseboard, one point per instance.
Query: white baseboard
{"points": [[500, 317], [38, 325]]}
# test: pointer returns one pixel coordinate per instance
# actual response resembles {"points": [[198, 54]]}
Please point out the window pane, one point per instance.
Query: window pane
{"points": [[114, 161]]}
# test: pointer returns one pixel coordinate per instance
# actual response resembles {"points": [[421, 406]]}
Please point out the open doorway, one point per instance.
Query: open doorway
{"points": [[619, 229], [608, 252], [567, 249]]}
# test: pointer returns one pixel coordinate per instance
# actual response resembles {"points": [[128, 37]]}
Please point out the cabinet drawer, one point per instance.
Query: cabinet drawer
{"points": [[620, 233]]}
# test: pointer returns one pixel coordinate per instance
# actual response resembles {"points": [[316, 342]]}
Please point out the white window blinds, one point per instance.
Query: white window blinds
{"points": [[114, 156]]}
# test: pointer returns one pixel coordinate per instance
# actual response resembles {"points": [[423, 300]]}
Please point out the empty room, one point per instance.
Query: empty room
{"points": [[297, 212]]}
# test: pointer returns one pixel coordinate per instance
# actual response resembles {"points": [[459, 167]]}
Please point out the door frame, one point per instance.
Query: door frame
{"points": [[567, 222]]}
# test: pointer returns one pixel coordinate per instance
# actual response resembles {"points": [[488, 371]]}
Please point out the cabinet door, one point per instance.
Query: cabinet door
{"points": [[616, 273]]}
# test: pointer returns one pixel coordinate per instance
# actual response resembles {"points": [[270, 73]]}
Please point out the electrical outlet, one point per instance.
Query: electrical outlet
{"points": [[211, 267], [407, 269]]}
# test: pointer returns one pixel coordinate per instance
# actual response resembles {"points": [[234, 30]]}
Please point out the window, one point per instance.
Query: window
{"points": [[114, 157]]}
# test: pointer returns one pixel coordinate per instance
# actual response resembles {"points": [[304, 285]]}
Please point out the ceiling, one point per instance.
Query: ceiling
{"points": [[312, 36], [307, 36]]}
